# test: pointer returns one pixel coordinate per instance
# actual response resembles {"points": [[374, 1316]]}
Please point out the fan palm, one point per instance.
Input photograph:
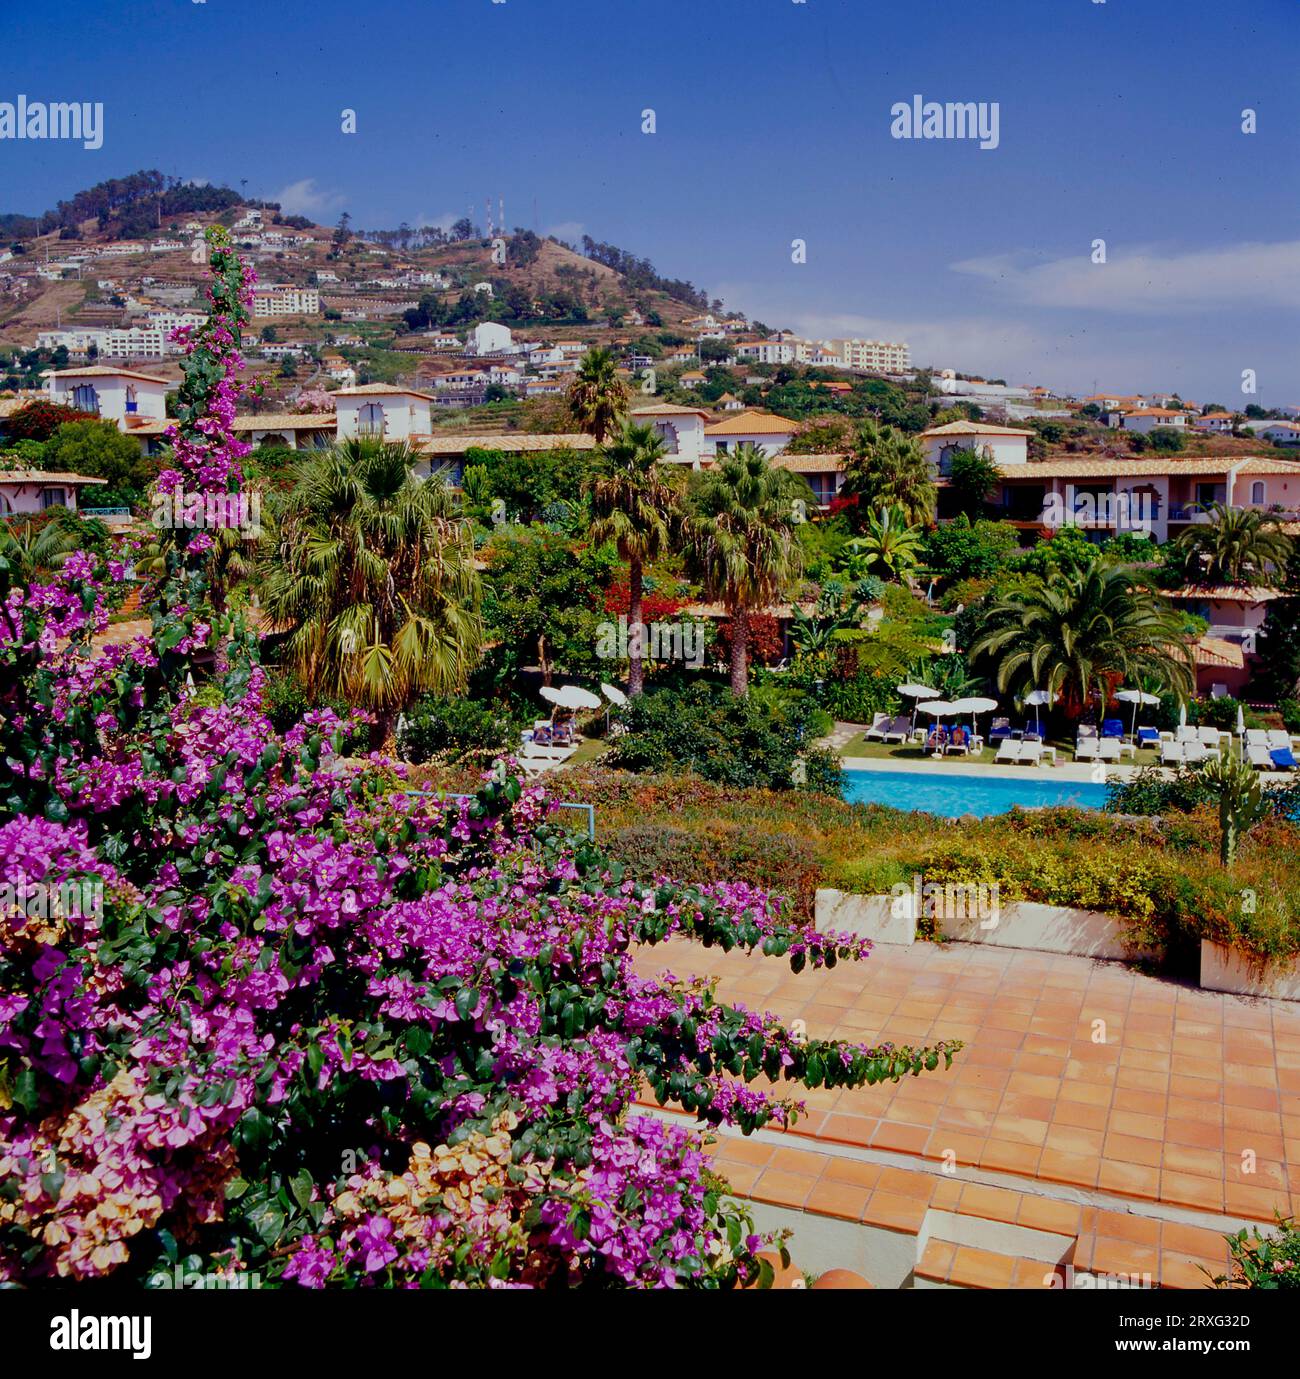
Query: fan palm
{"points": [[1237, 546], [371, 573], [889, 469], [27, 549], [1083, 632], [741, 540], [635, 503], [598, 397], [891, 547]]}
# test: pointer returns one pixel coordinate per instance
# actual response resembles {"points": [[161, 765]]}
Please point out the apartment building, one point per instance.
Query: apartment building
{"points": [[286, 301]]}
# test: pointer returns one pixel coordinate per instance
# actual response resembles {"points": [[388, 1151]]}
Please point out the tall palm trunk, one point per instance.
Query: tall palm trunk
{"points": [[635, 630], [740, 652]]}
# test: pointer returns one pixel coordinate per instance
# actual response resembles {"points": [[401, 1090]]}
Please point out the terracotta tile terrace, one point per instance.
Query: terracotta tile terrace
{"points": [[1143, 1118]]}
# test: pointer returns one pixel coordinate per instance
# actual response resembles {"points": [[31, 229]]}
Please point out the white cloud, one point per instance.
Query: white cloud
{"points": [[306, 198], [1146, 279]]}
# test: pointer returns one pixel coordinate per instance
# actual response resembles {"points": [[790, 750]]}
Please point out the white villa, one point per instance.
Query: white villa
{"points": [[383, 412], [490, 338], [1004, 445], [34, 490], [121, 396]]}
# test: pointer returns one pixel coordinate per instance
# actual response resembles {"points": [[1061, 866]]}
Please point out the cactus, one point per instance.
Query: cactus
{"points": [[1235, 784]]}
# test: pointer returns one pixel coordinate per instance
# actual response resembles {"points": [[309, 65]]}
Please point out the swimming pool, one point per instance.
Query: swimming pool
{"points": [[954, 795]]}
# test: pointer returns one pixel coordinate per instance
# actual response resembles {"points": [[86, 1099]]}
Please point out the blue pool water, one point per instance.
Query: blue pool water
{"points": [[952, 795]]}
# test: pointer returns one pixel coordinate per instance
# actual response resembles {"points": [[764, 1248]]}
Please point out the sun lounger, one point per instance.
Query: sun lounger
{"points": [[1112, 727], [1187, 734], [1148, 737], [899, 730], [1256, 737], [1279, 740], [999, 730], [1172, 753], [959, 742], [1031, 753], [1283, 758], [1259, 756], [534, 758], [1085, 748], [878, 726], [1208, 737], [1108, 749], [1009, 750]]}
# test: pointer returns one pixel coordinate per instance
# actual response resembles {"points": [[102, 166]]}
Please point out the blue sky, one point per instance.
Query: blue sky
{"points": [[1118, 121]]}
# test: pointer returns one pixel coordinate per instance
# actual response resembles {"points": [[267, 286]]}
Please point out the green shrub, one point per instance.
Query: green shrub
{"points": [[785, 865], [452, 728], [1149, 792], [705, 730], [1264, 1260]]}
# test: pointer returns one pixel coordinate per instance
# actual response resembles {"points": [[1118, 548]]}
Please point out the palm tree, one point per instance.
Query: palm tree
{"points": [[1237, 546], [1083, 632], [27, 549], [741, 541], [371, 573], [598, 397], [888, 469], [890, 547], [635, 503]]}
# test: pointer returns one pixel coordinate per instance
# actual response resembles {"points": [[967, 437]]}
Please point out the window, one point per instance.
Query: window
{"points": [[132, 400], [54, 498], [1257, 493], [85, 398], [370, 420]]}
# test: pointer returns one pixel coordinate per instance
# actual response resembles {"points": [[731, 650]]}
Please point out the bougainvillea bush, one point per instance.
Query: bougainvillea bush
{"points": [[265, 1013]]}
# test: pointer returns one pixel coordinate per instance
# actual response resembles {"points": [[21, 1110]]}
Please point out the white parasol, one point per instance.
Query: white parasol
{"points": [[1038, 698], [972, 705], [910, 691], [1136, 697]]}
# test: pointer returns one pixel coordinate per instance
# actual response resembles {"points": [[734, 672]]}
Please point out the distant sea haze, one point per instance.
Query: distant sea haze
{"points": [[78, 121]]}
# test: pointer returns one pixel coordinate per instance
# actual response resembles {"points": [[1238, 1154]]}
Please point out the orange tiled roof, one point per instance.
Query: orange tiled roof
{"points": [[752, 424], [102, 371], [1228, 593], [974, 428], [381, 390], [1214, 651], [45, 476]]}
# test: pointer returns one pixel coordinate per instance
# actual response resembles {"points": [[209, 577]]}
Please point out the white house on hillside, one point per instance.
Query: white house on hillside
{"points": [[681, 428], [770, 432], [490, 338], [1002, 444], [383, 412], [117, 395], [1147, 419]]}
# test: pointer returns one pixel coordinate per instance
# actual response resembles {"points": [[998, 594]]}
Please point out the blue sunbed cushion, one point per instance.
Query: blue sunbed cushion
{"points": [[1148, 735], [1112, 727], [1282, 757]]}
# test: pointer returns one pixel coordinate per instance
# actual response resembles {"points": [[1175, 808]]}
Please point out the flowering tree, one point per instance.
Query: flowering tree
{"points": [[261, 1011]]}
